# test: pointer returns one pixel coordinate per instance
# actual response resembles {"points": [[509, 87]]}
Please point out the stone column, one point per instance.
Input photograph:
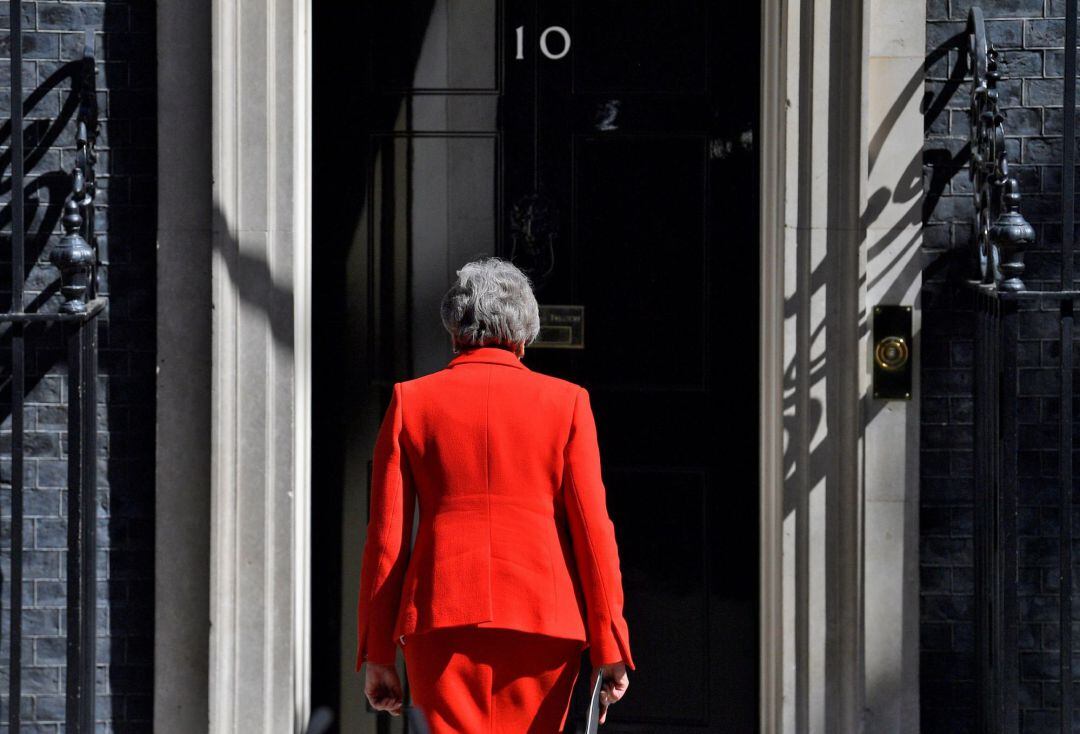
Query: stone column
{"points": [[841, 146], [260, 494], [894, 265], [816, 493]]}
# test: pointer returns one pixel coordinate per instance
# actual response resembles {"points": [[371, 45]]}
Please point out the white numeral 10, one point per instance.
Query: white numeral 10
{"points": [[544, 49]]}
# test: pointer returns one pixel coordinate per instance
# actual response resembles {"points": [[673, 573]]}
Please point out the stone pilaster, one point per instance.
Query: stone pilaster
{"points": [[259, 597]]}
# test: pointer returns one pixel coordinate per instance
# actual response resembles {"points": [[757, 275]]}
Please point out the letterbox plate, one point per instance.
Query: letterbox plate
{"points": [[561, 327]]}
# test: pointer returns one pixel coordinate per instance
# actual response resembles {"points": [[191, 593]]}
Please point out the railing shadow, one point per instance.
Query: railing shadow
{"points": [[894, 267]]}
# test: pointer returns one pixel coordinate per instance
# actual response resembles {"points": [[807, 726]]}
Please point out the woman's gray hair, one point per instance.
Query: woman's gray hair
{"points": [[491, 302]]}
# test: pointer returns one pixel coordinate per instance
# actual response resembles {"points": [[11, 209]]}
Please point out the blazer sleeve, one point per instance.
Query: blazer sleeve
{"points": [[593, 536], [389, 530]]}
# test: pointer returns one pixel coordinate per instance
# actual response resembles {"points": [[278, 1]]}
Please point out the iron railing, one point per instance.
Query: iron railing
{"points": [[1000, 236], [77, 258]]}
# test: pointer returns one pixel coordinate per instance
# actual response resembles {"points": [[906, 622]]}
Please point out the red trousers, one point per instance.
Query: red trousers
{"points": [[484, 680]]}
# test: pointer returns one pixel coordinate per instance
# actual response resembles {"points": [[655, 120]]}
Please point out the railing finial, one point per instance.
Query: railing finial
{"points": [[1000, 234], [75, 255], [1011, 235]]}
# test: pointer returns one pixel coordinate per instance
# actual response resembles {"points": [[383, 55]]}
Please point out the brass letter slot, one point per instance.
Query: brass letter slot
{"points": [[561, 327], [892, 352]]}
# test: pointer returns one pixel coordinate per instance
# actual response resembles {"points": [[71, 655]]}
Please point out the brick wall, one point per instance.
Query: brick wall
{"points": [[1030, 34], [125, 46]]}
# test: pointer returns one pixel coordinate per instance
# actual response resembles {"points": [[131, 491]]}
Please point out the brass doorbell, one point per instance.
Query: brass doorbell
{"points": [[892, 352]]}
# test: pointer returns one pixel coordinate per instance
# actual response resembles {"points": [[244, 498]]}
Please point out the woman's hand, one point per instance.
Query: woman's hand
{"points": [[383, 687], [614, 686]]}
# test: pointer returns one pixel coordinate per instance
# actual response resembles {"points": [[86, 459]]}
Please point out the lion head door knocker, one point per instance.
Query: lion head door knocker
{"points": [[534, 226]]}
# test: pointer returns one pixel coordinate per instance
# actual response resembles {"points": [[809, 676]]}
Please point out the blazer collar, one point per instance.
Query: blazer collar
{"points": [[491, 355]]}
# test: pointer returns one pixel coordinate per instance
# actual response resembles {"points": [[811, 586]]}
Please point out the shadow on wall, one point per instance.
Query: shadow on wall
{"points": [[907, 190], [894, 265]]}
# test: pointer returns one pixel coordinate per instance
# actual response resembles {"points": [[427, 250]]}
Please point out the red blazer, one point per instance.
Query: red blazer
{"points": [[513, 525]]}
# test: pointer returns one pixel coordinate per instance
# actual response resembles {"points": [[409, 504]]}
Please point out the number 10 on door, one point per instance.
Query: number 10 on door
{"points": [[545, 47]]}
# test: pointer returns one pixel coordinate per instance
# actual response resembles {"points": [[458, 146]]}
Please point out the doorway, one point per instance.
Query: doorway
{"points": [[608, 149]]}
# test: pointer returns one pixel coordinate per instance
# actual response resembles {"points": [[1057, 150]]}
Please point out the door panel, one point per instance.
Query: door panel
{"points": [[661, 554], [622, 178], [656, 47], [457, 49], [638, 242], [433, 207]]}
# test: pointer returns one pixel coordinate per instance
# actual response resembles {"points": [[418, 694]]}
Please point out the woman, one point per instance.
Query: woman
{"points": [[514, 569]]}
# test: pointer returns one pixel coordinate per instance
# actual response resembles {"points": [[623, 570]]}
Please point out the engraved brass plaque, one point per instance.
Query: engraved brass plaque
{"points": [[561, 327]]}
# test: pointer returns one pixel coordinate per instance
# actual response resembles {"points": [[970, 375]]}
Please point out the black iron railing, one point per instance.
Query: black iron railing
{"points": [[76, 257], [1000, 237]]}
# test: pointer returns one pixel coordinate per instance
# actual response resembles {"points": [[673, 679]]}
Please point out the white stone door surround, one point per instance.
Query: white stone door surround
{"points": [[839, 627]]}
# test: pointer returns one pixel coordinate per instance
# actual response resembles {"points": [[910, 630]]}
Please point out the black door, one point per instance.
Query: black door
{"points": [[608, 148]]}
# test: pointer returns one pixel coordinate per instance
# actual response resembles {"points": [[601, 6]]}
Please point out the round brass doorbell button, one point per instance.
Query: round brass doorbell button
{"points": [[891, 353]]}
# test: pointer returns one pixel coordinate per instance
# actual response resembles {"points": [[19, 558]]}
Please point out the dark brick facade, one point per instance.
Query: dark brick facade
{"points": [[53, 36], [1030, 34]]}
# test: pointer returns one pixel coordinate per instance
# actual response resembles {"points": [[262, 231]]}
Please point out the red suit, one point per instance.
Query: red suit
{"points": [[513, 526]]}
